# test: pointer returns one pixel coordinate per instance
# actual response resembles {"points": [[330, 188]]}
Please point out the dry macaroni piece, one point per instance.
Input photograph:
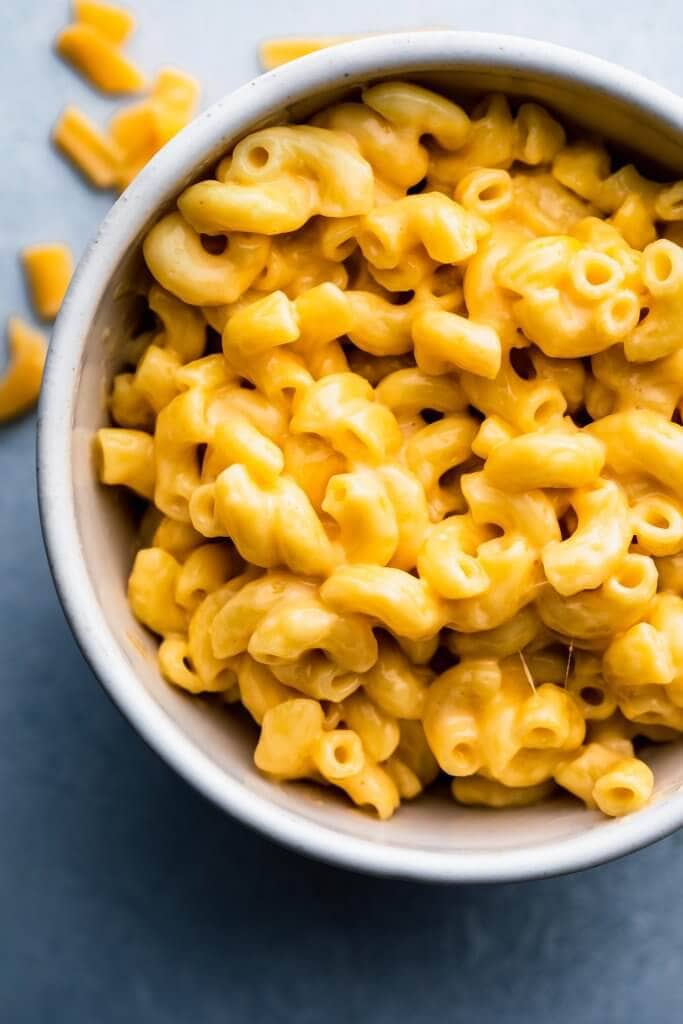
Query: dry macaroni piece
{"points": [[422, 510], [48, 269], [20, 383]]}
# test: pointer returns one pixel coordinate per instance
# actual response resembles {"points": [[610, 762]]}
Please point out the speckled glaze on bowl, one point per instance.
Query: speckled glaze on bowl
{"points": [[90, 536]]}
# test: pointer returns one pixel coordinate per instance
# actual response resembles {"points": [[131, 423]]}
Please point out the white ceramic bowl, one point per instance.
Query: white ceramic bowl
{"points": [[90, 539]]}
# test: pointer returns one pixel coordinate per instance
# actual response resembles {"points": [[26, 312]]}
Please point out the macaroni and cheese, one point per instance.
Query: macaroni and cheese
{"points": [[408, 423]]}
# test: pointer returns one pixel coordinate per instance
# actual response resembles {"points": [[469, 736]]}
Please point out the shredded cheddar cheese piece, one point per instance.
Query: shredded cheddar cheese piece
{"points": [[114, 22], [96, 57], [20, 383], [135, 131], [112, 159], [274, 52], [48, 270], [140, 130], [175, 97], [93, 152], [178, 91]]}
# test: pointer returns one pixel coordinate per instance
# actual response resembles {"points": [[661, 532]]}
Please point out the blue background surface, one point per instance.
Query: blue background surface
{"points": [[124, 897]]}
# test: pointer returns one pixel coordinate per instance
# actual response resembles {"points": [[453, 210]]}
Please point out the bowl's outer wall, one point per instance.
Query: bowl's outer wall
{"points": [[90, 532]]}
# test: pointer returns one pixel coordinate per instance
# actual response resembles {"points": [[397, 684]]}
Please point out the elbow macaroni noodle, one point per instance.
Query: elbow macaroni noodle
{"points": [[409, 424]]}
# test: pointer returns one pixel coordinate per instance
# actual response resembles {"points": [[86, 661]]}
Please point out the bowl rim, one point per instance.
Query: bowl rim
{"points": [[405, 52]]}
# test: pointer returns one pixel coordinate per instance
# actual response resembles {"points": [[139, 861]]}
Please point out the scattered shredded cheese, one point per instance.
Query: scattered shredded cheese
{"points": [[48, 270], [274, 52], [20, 383], [98, 59], [95, 154], [114, 22]]}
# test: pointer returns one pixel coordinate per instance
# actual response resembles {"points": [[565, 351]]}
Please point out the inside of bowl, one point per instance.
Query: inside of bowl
{"points": [[108, 536]]}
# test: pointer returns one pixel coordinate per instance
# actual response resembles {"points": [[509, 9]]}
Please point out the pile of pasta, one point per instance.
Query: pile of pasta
{"points": [[408, 423]]}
